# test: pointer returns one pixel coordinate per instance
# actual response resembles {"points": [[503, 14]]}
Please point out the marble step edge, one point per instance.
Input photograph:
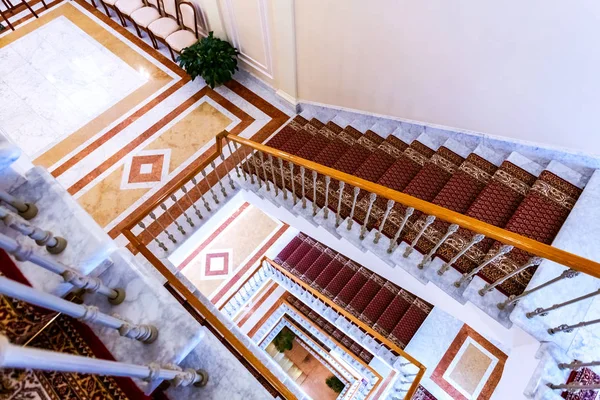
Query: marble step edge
{"points": [[146, 302]]}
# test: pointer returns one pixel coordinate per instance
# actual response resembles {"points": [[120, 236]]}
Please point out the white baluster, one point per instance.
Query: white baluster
{"points": [[169, 235], [388, 209], [237, 157], [206, 203], [474, 240], [219, 181], [314, 204], [302, 174], [54, 244], [264, 168], [283, 188], [351, 216], [488, 288], [394, 242], [187, 218], [94, 285], [222, 156], [338, 217], [212, 192], [428, 221], [273, 176], [168, 212], [19, 357], [157, 240], [196, 211], [294, 197], [143, 333], [363, 229], [427, 259], [26, 210], [326, 208], [467, 277]]}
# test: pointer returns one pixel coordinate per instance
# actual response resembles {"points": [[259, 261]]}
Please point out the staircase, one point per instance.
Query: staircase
{"points": [[390, 310], [516, 194]]}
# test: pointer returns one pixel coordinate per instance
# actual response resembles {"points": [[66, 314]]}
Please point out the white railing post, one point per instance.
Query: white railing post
{"points": [[474, 240], [467, 277], [143, 333], [394, 242], [54, 244], [25, 210], [488, 288], [356, 191], [428, 221], [363, 229], [94, 285], [12, 356], [429, 256]]}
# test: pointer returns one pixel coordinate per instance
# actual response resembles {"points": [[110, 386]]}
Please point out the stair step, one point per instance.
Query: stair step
{"points": [[409, 323], [346, 272], [329, 272], [379, 304], [353, 286], [393, 313], [366, 294], [317, 267]]}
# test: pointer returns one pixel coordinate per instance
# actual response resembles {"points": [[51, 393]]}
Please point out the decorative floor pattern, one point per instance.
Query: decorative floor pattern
{"points": [[230, 250], [471, 367]]}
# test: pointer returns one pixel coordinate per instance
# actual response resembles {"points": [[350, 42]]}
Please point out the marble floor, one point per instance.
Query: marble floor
{"points": [[220, 256], [112, 119]]}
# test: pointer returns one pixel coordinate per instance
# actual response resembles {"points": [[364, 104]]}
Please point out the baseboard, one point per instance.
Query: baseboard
{"points": [[287, 97]]}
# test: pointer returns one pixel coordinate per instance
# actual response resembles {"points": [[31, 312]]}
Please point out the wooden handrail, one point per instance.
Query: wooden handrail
{"points": [[358, 322], [210, 317], [539, 249]]}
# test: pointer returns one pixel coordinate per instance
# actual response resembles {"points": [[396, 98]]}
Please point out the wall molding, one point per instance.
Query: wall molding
{"points": [[267, 67]]}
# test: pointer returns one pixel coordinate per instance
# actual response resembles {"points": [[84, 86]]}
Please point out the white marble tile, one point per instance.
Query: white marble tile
{"points": [[489, 154], [432, 142], [566, 173], [146, 302], [525, 163], [489, 302], [457, 147], [88, 245], [433, 338]]}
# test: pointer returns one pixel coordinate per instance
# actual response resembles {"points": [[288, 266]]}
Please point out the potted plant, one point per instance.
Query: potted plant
{"points": [[213, 59], [284, 340], [335, 384]]}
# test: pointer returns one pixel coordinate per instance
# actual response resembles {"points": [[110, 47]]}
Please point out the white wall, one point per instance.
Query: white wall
{"points": [[528, 70]]}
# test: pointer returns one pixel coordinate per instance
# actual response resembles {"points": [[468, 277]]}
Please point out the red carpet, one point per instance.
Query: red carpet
{"points": [[390, 310], [508, 197], [584, 376]]}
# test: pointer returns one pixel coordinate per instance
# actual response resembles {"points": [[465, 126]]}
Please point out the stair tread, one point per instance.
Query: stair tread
{"points": [[357, 281], [338, 282], [309, 258], [539, 216], [393, 313], [292, 261], [378, 304], [366, 293], [287, 251], [408, 324], [317, 267], [329, 272]]}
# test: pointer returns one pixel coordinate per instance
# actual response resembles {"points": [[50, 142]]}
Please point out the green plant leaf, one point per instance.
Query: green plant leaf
{"points": [[213, 59]]}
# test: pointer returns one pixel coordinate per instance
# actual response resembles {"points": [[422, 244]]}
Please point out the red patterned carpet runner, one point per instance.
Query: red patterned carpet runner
{"points": [[508, 197], [389, 309], [584, 376]]}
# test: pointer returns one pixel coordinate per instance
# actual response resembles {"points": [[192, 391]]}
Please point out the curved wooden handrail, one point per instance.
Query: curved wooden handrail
{"points": [[210, 317], [357, 322], [539, 249]]}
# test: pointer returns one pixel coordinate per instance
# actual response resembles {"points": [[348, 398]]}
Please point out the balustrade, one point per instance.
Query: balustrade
{"points": [[19, 357], [94, 285], [143, 333], [26, 210], [54, 244], [542, 312]]}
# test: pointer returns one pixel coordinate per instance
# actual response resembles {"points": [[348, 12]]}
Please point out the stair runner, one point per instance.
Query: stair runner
{"points": [[331, 329], [387, 308], [584, 376], [502, 193]]}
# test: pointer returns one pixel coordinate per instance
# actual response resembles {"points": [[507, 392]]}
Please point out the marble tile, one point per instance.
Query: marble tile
{"points": [[433, 338], [523, 162], [88, 245], [430, 141], [489, 154], [457, 147], [445, 281], [146, 302], [327, 223], [228, 378], [569, 175], [489, 302], [410, 263]]}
